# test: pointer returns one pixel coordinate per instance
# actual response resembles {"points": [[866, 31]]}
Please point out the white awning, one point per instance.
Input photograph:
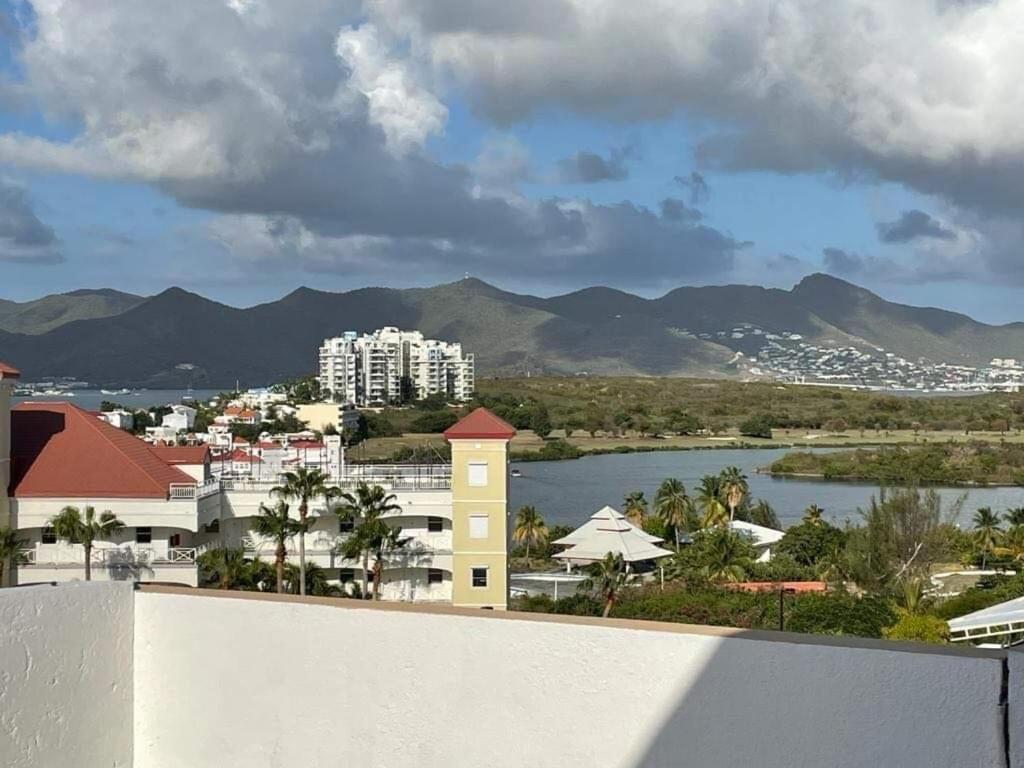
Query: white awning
{"points": [[759, 535], [603, 515], [618, 537], [996, 621]]}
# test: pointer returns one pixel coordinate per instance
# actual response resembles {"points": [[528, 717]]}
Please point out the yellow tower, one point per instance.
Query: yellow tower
{"points": [[480, 521]]}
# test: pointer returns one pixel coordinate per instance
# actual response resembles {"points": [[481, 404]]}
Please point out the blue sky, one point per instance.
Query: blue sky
{"points": [[380, 149]]}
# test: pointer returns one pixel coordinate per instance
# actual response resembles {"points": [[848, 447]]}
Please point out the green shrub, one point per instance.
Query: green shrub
{"points": [[757, 426], [839, 614], [920, 628], [434, 421]]}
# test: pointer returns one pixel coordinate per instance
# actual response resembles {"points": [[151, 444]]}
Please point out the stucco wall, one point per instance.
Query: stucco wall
{"points": [[278, 683], [66, 676]]}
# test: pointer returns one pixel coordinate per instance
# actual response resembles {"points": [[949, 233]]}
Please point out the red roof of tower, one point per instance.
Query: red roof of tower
{"points": [[61, 451], [481, 424], [8, 371]]}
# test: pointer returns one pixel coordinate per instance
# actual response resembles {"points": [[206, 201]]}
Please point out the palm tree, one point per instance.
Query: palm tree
{"points": [[316, 581], [635, 507], [10, 549], [529, 528], [607, 578], [986, 531], [673, 506], [1012, 545], [274, 523], [1014, 517], [366, 507], [734, 487], [726, 556], [225, 568], [84, 529], [812, 515], [389, 541], [709, 500], [303, 484]]}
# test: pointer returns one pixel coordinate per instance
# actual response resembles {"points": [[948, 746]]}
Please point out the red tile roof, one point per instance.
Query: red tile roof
{"points": [[182, 454], [241, 457], [481, 424], [306, 445], [8, 371], [61, 451]]}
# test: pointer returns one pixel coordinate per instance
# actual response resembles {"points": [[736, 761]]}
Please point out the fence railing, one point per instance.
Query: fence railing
{"points": [[103, 556]]}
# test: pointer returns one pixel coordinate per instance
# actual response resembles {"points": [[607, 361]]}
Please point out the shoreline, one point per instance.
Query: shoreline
{"points": [[883, 481]]}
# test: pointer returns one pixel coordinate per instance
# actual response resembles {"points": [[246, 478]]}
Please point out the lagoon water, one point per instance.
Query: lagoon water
{"points": [[90, 399], [567, 492]]}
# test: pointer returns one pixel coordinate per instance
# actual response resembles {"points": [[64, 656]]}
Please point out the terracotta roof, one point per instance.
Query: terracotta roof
{"points": [[182, 454], [8, 371], [481, 424], [306, 444], [774, 586], [241, 456], [61, 451], [239, 440]]}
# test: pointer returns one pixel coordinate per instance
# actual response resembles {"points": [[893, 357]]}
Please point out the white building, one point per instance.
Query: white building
{"points": [[370, 369], [181, 418], [119, 418]]}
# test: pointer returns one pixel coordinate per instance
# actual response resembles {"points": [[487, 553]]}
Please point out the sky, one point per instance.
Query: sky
{"points": [[242, 148]]}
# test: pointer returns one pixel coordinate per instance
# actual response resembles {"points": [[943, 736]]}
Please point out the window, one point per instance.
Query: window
{"points": [[369, 577], [435, 524], [346, 526], [144, 535], [478, 474], [435, 576], [479, 577], [345, 575], [478, 527], [49, 537]]}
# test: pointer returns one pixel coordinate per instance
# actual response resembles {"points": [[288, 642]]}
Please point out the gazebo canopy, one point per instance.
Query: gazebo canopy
{"points": [[617, 536], [603, 515]]}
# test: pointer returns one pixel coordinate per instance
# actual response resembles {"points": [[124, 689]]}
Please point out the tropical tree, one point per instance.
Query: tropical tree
{"points": [[709, 500], [673, 506], [366, 508], [274, 523], [316, 581], [10, 549], [986, 532], [84, 528], [529, 528], [733, 488], [813, 515], [1014, 517], [635, 507], [727, 556], [607, 578], [303, 485], [1012, 544], [225, 568]]}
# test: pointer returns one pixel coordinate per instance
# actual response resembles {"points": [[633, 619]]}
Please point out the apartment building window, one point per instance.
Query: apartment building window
{"points": [[369, 577], [435, 576], [435, 524], [144, 535], [346, 525], [478, 474], [49, 537], [478, 526], [346, 575], [479, 576]]}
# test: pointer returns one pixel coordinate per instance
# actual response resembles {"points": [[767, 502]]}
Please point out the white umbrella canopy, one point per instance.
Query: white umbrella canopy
{"points": [[618, 537], [603, 515]]}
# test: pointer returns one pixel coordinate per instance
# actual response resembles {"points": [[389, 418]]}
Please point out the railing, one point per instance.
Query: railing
{"points": [[182, 491], [399, 477], [104, 556]]}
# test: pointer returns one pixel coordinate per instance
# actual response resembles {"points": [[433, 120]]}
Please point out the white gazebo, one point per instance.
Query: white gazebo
{"points": [[602, 516], [617, 536]]}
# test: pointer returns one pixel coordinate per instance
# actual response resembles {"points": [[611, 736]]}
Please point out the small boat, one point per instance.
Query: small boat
{"points": [[516, 473]]}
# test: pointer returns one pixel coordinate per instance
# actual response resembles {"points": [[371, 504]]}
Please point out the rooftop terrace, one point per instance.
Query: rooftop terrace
{"points": [[96, 674]]}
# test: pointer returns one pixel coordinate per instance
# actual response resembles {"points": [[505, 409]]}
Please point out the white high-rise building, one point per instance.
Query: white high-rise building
{"points": [[370, 369]]}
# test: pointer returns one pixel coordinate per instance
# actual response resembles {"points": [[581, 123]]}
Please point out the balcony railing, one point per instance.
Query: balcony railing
{"points": [[399, 477], [109, 556]]}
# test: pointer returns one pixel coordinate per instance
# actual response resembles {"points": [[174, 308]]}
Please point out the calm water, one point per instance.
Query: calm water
{"points": [[567, 492], [90, 399]]}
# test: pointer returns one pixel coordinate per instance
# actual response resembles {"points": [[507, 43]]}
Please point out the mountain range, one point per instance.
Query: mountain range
{"points": [[176, 337]]}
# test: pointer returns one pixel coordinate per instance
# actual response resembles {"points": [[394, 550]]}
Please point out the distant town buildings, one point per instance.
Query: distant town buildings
{"points": [[390, 366]]}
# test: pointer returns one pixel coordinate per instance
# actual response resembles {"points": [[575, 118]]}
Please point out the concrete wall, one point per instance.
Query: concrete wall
{"points": [[66, 676], [250, 680]]}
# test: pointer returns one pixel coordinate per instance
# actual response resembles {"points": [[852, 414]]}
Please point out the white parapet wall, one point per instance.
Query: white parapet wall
{"points": [[246, 680], [66, 661]]}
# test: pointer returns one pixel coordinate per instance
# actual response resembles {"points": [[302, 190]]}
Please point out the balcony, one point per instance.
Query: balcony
{"points": [[62, 555]]}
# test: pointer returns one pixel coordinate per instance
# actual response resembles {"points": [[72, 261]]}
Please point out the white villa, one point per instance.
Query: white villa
{"points": [[177, 501]]}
